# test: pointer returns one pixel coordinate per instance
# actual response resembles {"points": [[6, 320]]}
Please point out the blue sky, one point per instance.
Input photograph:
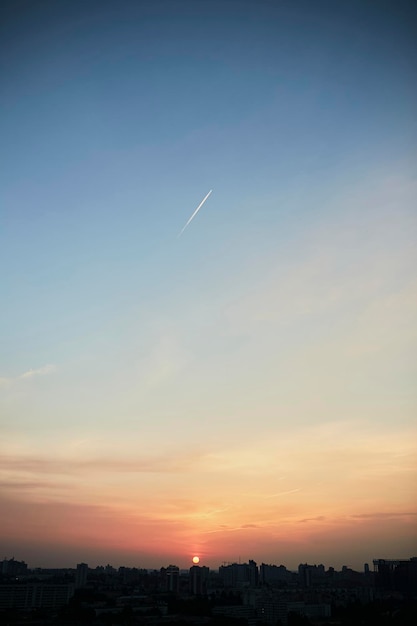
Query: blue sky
{"points": [[287, 303]]}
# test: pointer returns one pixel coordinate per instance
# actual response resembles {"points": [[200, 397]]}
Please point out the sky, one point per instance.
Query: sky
{"points": [[243, 391]]}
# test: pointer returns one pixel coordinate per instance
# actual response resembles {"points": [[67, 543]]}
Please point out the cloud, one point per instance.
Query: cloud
{"points": [[377, 515], [250, 526], [228, 529], [7, 382], [281, 493], [53, 465], [22, 485], [343, 267], [384, 515], [41, 371]]}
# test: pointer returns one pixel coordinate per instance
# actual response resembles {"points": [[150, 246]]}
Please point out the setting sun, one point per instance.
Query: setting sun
{"points": [[196, 560]]}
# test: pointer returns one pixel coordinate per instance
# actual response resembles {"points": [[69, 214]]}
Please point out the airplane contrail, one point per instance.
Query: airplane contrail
{"points": [[195, 212]]}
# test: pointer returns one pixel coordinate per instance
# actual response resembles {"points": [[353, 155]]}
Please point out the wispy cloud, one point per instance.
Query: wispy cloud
{"points": [[40, 371], [228, 529], [344, 267], [318, 518], [8, 381], [360, 517], [33, 484], [54, 465], [281, 493], [384, 515]]}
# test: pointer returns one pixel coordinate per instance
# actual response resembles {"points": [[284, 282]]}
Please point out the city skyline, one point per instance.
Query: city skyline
{"points": [[14, 566], [184, 564], [248, 389], [268, 593]]}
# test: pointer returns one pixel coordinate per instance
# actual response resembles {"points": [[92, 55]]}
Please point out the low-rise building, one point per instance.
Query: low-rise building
{"points": [[29, 596]]}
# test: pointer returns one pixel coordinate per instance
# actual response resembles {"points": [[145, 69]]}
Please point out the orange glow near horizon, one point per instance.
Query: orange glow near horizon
{"points": [[270, 509]]}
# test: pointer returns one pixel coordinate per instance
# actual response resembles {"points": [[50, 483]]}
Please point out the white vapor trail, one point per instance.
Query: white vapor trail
{"points": [[195, 212]]}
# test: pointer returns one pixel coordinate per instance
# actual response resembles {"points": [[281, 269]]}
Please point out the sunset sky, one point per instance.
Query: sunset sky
{"points": [[247, 390]]}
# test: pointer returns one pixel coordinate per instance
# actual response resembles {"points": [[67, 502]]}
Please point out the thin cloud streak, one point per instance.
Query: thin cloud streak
{"points": [[163, 464], [234, 529], [384, 515], [22, 485], [318, 518], [195, 212], [281, 493]]}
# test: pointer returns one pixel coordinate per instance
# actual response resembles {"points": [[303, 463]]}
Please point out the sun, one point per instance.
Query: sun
{"points": [[196, 559]]}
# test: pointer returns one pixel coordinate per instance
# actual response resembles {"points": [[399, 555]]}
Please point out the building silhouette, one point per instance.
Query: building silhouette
{"points": [[29, 596], [310, 575], [10, 567], [397, 575], [81, 575], [199, 578], [273, 574], [170, 577], [239, 574]]}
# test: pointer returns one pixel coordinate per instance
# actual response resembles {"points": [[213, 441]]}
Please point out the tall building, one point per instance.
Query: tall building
{"points": [[199, 577], [398, 575], [310, 575], [81, 575], [171, 578], [10, 567], [239, 574], [34, 595], [273, 574]]}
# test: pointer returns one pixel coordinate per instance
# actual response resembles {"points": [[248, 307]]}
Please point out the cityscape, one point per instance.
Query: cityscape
{"points": [[235, 594]]}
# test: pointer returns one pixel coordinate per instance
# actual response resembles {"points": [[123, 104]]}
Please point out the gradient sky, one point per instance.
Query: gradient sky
{"points": [[246, 390]]}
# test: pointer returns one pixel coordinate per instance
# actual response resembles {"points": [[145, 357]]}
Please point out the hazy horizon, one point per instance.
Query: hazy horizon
{"points": [[246, 390], [185, 563]]}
